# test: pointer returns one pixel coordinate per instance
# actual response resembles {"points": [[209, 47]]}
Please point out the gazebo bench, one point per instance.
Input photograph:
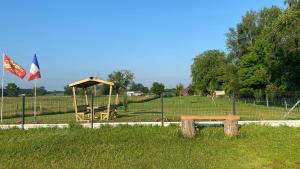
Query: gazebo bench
{"points": [[230, 124], [81, 112], [104, 114]]}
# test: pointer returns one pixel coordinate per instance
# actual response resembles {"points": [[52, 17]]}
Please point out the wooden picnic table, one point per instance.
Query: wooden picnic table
{"points": [[89, 108], [96, 109]]}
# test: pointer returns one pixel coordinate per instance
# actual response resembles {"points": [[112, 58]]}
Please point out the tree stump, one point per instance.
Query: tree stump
{"points": [[231, 127], [188, 128]]}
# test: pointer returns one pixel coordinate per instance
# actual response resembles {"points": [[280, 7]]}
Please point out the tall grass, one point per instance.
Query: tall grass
{"points": [[149, 147]]}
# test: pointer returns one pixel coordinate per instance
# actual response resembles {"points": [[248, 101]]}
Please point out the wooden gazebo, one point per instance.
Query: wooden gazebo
{"points": [[81, 110]]}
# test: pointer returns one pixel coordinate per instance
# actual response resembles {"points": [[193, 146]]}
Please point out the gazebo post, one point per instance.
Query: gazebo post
{"points": [[117, 98], [109, 101], [86, 97], [75, 101]]}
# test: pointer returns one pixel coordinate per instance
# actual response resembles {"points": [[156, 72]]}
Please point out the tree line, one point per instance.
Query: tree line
{"points": [[12, 90], [123, 81], [263, 55]]}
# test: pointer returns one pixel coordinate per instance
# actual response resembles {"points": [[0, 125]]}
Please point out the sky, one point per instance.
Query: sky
{"points": [[155, 39]]}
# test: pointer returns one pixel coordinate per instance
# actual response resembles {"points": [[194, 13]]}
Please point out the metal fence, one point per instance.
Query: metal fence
{"points": [[59, 109]]}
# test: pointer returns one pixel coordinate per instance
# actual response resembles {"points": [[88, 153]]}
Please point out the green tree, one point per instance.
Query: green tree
{"points": [[40, 91], [191, 88], [207, 71], [285, 57], [250, 52], [121, 79], [157, 88], [67, 90], [231, 78], [103, 90], [240, 39], [232, 44], [292, 3], [179, 87], [12, 89], [253, 72], [266, 17], [247, 31], [138, 87]]}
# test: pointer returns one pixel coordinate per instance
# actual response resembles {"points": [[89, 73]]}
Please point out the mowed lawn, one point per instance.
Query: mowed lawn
{"points": [[60, 109], [150, 147]]}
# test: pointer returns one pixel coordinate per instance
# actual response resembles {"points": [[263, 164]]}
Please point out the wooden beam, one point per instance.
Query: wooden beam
{"points": [[75, 101], [220, 117], [86, 97], [117, 99], [99, 81], [109, 101]]}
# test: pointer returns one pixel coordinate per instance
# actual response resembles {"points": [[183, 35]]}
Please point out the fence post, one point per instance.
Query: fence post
{"points": [[125, 102], [162, 108], [41, 109], [58, 107], [286, 107], [23, 110], [92, 111], [17, 110], [233, 104]]}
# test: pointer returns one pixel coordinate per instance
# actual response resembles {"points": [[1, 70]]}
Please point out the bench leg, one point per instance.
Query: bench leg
{"points": [[231, 128], [79, 117], [188, 128]]}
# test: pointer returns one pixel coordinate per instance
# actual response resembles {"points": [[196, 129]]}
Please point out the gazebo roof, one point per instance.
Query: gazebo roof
{"points": [[91, 81]]}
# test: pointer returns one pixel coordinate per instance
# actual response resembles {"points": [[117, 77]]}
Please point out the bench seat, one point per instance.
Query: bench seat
{"points": [[230, 124], [221, 117]]}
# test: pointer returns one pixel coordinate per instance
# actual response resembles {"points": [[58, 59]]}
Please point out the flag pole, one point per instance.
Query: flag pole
{"points": [[34, 111], [2, 91]]}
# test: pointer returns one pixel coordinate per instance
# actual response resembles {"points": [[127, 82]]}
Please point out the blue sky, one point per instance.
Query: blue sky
{"points": [[155, 39]]}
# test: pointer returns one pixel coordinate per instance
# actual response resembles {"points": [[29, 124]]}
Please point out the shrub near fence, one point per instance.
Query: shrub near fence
{"points": [[59, 109]]}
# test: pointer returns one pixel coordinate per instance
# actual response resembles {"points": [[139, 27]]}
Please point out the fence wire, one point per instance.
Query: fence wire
{"points": [[60, 109]]}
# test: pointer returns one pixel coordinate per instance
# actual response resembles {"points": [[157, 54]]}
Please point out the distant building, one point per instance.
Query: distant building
{"points": [[184, 92], [220, 93], [134, 93]]}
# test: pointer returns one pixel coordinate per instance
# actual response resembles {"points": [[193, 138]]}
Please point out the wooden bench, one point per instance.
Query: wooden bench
{"points": [[113, 112], [230, 124], [81, 112]]}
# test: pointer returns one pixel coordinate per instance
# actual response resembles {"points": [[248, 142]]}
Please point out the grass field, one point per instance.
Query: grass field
{"points": [[60, 109], [150, 147]]}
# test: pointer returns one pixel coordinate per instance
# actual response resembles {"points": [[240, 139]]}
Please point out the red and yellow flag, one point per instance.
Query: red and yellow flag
{"points": [[12, 67]]}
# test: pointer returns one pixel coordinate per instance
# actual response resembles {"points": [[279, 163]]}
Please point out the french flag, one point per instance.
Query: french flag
{"points": [[34, 70]]}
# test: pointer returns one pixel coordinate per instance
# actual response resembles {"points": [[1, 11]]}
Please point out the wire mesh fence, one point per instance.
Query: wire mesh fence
{"points": [[60, 109]]}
